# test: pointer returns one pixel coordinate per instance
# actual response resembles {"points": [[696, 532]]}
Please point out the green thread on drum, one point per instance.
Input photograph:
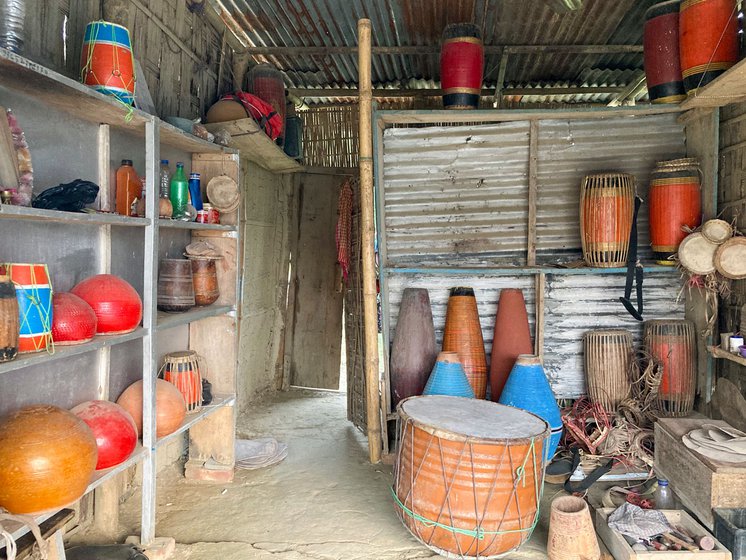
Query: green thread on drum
{"points": [[480, 533]]}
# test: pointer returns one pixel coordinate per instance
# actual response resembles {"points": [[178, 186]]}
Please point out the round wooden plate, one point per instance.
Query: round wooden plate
{"points": [[717, 231], [697, 254], [222, 191], [730, 258]]}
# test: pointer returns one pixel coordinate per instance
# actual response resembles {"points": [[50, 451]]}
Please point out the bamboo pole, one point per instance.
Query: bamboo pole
{"points": [[370, 307]]}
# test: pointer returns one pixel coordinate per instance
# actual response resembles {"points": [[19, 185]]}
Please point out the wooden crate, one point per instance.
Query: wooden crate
{"points": [[623, 551], [700, 483]]}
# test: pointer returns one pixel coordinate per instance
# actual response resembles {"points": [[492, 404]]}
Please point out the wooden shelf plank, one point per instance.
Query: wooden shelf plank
{"points": [[524, 270], [180, 224], [256, 146], [718, 352], [170, 320], [218, 402], [62, 352], [90, 218], [177, 138], [726, 88]]}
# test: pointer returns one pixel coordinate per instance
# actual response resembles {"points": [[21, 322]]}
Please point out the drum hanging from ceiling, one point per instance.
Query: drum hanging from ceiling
{"points": [[661, 53], [607, 204], [468, 475], [708, 40], [673, 345], [106, 61], [675, 203], [461, 66]]}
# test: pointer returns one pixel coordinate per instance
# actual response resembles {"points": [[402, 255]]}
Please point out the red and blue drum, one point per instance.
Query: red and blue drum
{"points": [[107, 62], [34, 295]]}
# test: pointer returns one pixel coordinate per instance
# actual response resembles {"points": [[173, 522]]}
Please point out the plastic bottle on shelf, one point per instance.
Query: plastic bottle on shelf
{"points": [[165, 209], [664, 495], [128, 187], [179, 193]]}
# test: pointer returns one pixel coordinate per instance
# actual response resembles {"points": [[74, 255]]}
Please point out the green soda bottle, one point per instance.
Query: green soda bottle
{"points": [[179, 194]]}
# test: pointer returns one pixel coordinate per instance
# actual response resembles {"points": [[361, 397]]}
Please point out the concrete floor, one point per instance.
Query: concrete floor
{"points": [[324, 502]]}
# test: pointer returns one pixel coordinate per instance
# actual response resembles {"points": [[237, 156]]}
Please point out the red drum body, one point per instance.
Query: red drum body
{"points": [[661, 52], [461, 66]]}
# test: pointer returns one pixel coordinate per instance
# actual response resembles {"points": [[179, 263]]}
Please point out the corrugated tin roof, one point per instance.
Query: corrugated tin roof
{"points": [[317, 23]]}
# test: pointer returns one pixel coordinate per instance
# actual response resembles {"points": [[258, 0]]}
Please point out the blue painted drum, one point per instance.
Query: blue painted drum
{"points": [[448, 378], [107, 62]]}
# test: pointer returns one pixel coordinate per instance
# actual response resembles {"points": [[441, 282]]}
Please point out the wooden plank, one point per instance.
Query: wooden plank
{"points": [[256, 146], [8, 156], [435, 49], [48, 528], [212, 455], [726, 88], [106, 508], [540, 310], [533, 163], [425, 92], [724, 354], [294, 232]]}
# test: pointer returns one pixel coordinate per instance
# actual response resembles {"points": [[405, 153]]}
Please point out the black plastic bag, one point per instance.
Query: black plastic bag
{"points": [[68, 197]]}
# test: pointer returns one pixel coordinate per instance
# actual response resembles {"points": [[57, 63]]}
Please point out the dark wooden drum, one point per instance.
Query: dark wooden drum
{"points": [[175, 285], [661, 51], [708, 40], [461, 66]]}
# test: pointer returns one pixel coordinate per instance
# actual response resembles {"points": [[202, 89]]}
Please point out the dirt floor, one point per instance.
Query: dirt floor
{"points": [[324, 502]]}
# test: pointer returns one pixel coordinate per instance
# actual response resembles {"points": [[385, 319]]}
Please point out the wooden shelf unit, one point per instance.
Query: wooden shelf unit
{"points": [[717, 352], [131, 247], [723, 90]]}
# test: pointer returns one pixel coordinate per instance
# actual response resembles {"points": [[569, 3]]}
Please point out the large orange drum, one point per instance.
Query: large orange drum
{"points": [[673, 344], [469, 474], [607, 204], [675, 203], [708, 40]]}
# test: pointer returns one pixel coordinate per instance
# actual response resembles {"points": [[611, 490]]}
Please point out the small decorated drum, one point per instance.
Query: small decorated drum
{"points": [[697, 254], [717, 231], [468, 474], [34, 294], [607, 204], [106, 60], [608, 354], [184, 369], [673, 344], [730, 258]]}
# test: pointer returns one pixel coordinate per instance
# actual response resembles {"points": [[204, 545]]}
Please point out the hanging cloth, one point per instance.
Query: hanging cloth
{"points": [[343, 232]]}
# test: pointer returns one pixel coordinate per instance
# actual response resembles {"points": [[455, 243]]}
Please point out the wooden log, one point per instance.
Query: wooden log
{"points": [[370, 308]]}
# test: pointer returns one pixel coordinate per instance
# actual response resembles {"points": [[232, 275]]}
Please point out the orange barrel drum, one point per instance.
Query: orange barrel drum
{"points": [[708, 40], [265, 81], [675, 201], [107, 64], [607, 204], [468, 474], [461, 66], [463, 334], [672, 343], [661, 52]]}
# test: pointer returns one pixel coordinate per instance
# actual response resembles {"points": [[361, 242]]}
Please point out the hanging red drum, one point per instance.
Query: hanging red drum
{"points": [[265, 81], [114, 429], [461, 66], [675, 204], [170, 406], [117, 305], [661, 52], [463, 334], [708, 40], [48, 458], [73, 320]]}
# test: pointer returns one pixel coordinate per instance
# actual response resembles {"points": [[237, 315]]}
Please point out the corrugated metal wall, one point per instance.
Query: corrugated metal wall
{"points": [[456, 197], [459, 194]]}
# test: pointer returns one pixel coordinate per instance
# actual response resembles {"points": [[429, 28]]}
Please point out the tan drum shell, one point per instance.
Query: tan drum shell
{"points": [[697, 254], [730, 258], [717, 231], [607, 359]]}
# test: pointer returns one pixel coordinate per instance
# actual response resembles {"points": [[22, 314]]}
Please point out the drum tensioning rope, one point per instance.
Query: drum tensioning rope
{"points": [[479, 533]]}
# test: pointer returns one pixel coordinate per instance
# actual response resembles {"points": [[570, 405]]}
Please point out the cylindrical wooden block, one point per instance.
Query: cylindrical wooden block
{"points": [[413, 350], [175, 285], [607, 361], [661, 53], [461, 66], [675, 202], [673, 345], [607, 203], [8, 320], [205, 279], [708, 40], [571, 532], [463, 334]]}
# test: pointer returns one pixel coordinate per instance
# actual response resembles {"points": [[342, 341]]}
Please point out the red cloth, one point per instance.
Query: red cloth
{"points": [[343, 232]]}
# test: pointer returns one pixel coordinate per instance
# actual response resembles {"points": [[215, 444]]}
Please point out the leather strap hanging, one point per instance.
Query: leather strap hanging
{"points": [[634, 269]]}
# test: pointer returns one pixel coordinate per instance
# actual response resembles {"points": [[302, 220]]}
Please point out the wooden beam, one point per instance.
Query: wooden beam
{"points": [[533, 161], [501, 78], [548, 91], [435, 49], [631, 90], [540, 287], [370, 307]]}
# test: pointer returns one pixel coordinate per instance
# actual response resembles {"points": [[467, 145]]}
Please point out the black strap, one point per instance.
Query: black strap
{"points": [[634, 269], [583, 485]]}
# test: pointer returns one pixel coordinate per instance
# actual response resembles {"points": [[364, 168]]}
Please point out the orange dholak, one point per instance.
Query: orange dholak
{"points": [[571, 532], [463, 334], [512, 338]]}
